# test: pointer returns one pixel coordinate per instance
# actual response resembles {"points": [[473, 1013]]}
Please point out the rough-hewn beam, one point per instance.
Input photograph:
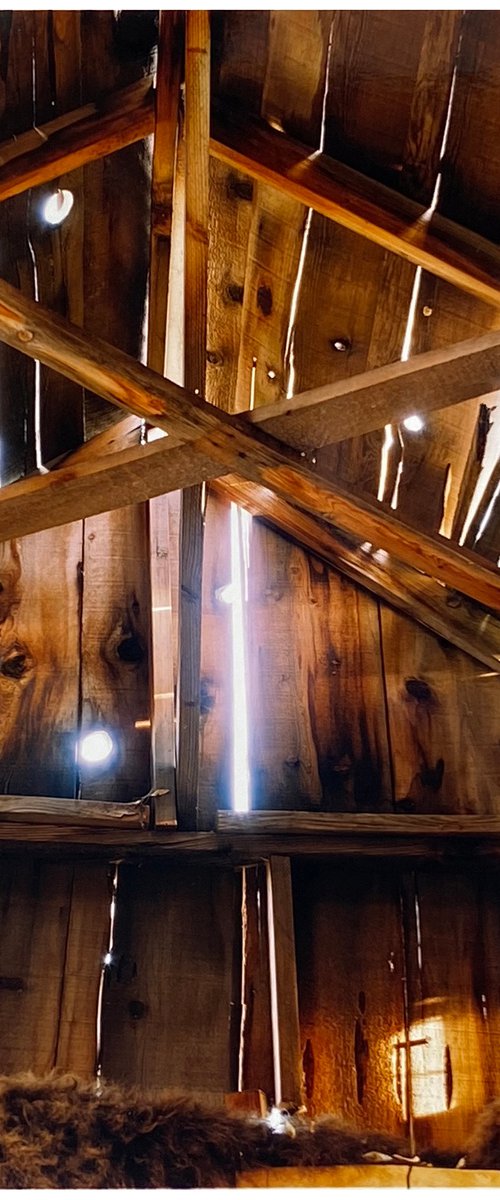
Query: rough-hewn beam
{"points": [[417, 596], [365, 824], [76, 138], [351, 407], [231, 443], [50, 810], [375, 212]]}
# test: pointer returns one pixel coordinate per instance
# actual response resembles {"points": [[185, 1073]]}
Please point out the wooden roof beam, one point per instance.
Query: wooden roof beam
{"points": [[219, 444], [345, 196]]}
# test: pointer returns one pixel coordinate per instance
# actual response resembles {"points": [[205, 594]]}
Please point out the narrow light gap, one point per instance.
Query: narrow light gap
{"points": [[489, 511], [444, 142], [447, 518], [253, 384], [489, 464], [384, 461], [290, 333], [240, 521], [37, 397], [108, 958], [418, 929], [326, 89], [405, 354]]}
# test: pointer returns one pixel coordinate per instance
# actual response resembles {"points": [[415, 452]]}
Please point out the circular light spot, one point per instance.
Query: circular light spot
{"points": [[95, 747], [271, 374], [414, 424], [225, 593], [58, 206]]}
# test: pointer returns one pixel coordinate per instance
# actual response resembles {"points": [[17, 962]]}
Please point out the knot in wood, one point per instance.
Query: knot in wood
{"points": [[265, 300], [25, 335], [137, 1009], [418, 689]]}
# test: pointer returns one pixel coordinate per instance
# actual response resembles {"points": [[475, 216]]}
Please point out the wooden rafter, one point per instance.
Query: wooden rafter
{"points": [[440, 246], [225, 444]]}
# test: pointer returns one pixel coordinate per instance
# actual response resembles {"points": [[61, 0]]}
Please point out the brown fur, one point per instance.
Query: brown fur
{"points": [[484, 1147], [59, 1132]]}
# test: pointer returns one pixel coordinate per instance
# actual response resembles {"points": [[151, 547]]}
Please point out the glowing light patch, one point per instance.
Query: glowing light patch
{"points": [[414, 424], [95, 747], [58, 206], [428, 1079]]}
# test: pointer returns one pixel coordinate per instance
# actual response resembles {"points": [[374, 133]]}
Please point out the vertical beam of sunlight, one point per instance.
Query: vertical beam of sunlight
{"points": [[240, 522]]}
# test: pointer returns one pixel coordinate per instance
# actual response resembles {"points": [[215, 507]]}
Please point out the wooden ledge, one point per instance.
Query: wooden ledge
{"points": [[369, 1176], [366, 824]]}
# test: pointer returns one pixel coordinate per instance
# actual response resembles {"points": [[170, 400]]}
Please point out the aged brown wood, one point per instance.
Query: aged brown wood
{"points": [[317, 724], [415, 595], [443, 719], [167, 97], [257, 1068], [39, 662], [59, 811], [350, 967], [216, 667], [76, 138], [445, 982], [350, 199], [116, 653], [366, 402], [393, 824], [283, 983], [124, 382], [52, 945], [195, 347], [168, 992]]}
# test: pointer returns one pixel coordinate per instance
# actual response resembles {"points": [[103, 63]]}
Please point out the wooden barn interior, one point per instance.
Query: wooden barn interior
{"points": [[249, 588]]}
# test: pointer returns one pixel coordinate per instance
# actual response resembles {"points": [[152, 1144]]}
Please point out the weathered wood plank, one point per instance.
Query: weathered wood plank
{"points": [[350, 966], [392, 824], [389, 85], [228, 439], [350, 199], [257, 1068], [317, 725], [59, 811], [197, 129], [350, 1177], [444, 979], [216, 667], [116, 652], [283, 983], [52, 945], [169, 990], [416, 596], [444, 723], [39, 652]]}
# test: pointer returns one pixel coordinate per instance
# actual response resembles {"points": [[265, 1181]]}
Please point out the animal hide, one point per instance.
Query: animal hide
{"points": [[59, 1132]]}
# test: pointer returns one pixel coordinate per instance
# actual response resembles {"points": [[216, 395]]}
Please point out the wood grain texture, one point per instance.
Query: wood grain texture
{"points": [[445, 973], [389, 85], [39, 651], [230, 442], [315, 685], [349, 963], [55, 811], [443, 718], [283, 983], [257, 1067], [230, 215], [334, 1177], [169, 991], [393, 824], [444, 613], [116, 652], [490, 960], [216, 667], [354, 201], [197, 125], [471, 168], [52, 946]]}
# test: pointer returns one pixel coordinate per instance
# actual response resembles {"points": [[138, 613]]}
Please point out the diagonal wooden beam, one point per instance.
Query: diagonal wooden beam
{"points": [[230, 444], [360, 204], [78, 137], [370, 209], [363, 403]]}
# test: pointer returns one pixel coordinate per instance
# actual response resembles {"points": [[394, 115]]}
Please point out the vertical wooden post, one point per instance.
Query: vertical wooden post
{"points": [[283, 976], [191, 530], [164, 161]]}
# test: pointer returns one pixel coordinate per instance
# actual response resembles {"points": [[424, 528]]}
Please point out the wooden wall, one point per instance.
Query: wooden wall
{"points": [[351, 706]]}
